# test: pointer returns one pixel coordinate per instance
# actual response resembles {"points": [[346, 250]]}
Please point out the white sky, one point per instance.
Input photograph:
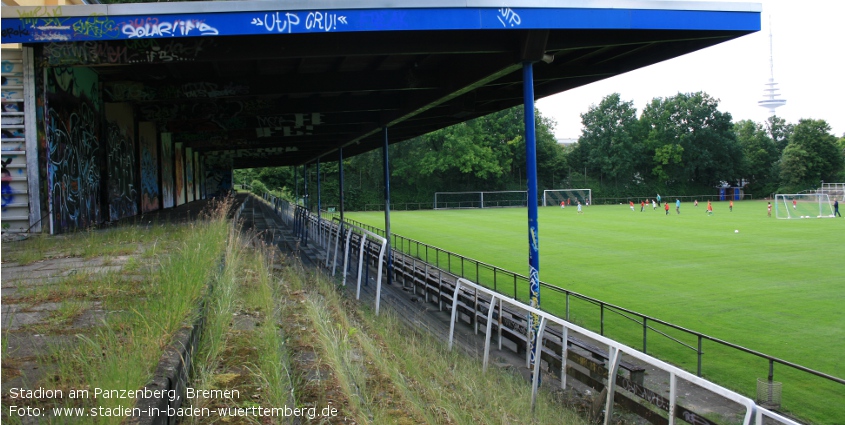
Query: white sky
{"points": [[809, 67]]}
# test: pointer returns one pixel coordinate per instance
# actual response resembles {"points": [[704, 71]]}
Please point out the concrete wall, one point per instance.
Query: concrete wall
{"points": [[73, 148], [150, 188], [167, 178], [122, 161]]}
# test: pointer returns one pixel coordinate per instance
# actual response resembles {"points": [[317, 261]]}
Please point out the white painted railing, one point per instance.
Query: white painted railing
{"points": [[615, 350], [361, 263]]}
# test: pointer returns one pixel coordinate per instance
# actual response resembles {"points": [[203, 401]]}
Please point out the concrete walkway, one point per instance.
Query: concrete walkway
{"points": [[38, 321]]}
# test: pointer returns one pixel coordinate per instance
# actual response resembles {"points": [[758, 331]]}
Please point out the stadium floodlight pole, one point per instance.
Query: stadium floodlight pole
{"points": [[533, 234], [389, 257]]}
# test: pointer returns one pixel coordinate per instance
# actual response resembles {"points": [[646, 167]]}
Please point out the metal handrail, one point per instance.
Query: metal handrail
{"points": [[615, 351]]}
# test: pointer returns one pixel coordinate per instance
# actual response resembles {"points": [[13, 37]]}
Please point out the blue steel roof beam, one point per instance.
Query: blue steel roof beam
{"points": [[209, 19]]}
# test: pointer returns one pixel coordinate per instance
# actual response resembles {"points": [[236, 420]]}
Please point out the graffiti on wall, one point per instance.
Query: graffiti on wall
{"points": [[125, 52], [166, 170], [50, 24], [73, 148], [280, 22], [150, 194], [12, 135], [124, 91], [218, 175], [189, 174], [218, 180], [198, 178], [8, 194], [120, 156], [180, 168], [220, 110]]}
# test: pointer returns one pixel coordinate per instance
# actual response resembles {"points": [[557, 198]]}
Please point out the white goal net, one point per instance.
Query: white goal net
{"points": [[493, 199], [554, 197], [803, 205]]}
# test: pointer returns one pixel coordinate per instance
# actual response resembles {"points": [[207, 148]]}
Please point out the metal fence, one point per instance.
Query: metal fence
{"points": [[416, 206], [563, 302], [836, 191], [615, 352], [686, 199]]}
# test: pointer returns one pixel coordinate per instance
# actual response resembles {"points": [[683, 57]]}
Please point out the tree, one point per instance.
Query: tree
{"points": [[461, 149], [710, 152], [811, 156], [668, 160], [610, 138], [487, 152], [779, 131], [759, 153]]}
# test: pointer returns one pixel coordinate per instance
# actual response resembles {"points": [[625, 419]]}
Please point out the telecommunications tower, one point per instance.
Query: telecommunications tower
{"points": [[770, 93]]}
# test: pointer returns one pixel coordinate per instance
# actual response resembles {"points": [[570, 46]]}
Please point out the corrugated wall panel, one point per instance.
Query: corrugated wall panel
{"points": [[16, 215]]}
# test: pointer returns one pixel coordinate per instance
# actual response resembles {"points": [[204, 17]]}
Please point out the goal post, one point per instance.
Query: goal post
{"points": [[803, 205], [480, 199], [553, 197]]}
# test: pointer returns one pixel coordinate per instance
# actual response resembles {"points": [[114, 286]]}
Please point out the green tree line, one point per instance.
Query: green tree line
{"points": [[683, 145]]}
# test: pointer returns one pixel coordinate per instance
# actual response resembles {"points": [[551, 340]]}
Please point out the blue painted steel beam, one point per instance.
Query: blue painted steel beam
{"points": [[340, 184], [319, 201], [533, 231], [85, 23], [386, 164], [305, 203]]}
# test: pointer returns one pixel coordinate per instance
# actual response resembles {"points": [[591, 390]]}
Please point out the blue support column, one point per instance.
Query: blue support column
{"points": [[533, 234], [296, 200], [319, 218], [305, 204], [389, 257], [340, 183]]}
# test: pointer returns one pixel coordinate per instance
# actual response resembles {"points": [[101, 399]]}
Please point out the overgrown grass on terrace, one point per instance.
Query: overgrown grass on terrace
{"points": [[242, 346], [147, 307], [388, 373]]}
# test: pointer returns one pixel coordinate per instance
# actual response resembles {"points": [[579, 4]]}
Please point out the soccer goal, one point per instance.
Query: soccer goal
{"points": [[803, 205], [553, 197], [492, 199]]}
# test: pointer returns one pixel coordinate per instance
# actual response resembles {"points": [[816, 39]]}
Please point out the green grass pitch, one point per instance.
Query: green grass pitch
{"points": [[776, 286]]}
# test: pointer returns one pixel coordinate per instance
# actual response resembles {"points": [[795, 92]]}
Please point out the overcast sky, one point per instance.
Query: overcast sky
{"points": [[809, 67]]}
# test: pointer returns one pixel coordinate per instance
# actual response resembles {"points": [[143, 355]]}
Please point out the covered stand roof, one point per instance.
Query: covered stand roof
{"points": [[271, 83]]}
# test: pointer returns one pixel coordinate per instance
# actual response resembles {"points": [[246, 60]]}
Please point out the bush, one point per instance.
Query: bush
{"points": [[258, 188]]}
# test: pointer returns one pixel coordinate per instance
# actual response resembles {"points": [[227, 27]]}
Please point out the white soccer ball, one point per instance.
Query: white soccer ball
{"points": [[736, 231]]}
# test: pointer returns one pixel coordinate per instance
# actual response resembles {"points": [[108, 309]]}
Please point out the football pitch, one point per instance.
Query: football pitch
{"points": [[776, 286]]}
